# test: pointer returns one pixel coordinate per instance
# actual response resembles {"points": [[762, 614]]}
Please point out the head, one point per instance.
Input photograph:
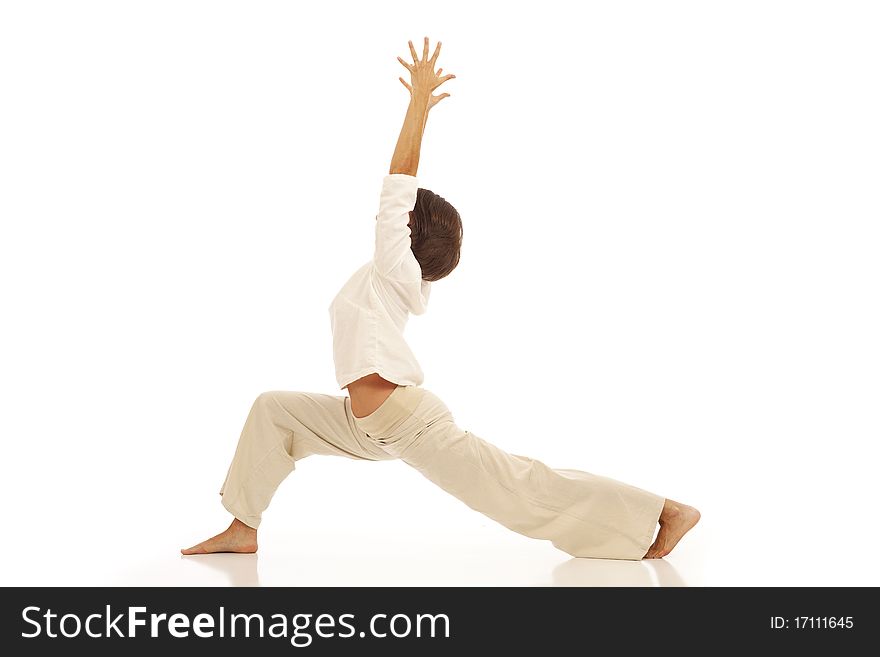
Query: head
{"points": [[436, 234]]}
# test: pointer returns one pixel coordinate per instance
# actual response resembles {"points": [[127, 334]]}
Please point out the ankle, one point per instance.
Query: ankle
{"points": [[671, 509], [239, 527]]}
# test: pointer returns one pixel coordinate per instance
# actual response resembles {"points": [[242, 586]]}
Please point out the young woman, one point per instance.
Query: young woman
{"points": [[388, 415]]}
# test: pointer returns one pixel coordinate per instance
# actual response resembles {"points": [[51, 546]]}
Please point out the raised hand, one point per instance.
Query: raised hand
{"points": [[424, 79]]}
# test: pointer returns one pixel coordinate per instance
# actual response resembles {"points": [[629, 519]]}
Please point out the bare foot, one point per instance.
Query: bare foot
{"points": [[238, 537], [676, 520]]}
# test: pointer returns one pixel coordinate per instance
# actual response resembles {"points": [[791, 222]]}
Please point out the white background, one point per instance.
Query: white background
{"points": [[669, 276]]}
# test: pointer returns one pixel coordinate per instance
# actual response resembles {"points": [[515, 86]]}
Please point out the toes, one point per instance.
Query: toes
{"points": [[654, 550]]}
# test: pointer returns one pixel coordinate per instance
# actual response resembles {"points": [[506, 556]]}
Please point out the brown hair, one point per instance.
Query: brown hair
{"points": [[436, 233]]}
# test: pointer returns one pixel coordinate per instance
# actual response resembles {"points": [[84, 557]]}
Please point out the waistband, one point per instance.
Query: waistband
{"points": [[399, 405]]}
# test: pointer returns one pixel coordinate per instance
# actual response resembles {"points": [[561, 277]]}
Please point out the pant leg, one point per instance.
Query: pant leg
{"points": [[282, 428], [582, 514]]}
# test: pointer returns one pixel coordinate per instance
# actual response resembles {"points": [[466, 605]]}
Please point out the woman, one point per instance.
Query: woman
{"points": [[388, 415]]}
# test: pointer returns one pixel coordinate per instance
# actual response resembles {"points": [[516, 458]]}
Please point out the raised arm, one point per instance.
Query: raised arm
{"points": [[423, 82]]}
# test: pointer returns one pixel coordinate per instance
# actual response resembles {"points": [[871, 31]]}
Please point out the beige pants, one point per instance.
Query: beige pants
{"points": [[582, 514]]}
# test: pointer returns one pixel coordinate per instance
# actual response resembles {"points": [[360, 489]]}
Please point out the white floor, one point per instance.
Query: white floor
{"points": [[318, 561], [339, 522], [476, 556], [350, 558], [431, 539]]}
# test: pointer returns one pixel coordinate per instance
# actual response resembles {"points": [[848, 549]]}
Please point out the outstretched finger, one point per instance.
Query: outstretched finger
{"points": [[436, 52], [425, 52], [408, 66], [413, 51], [447, 77], [439, 71], [405, 84]]}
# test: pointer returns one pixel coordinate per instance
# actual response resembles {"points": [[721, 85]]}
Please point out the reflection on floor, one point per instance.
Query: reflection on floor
{"points": [[243, 570], [278, 570], [236, 569], [599, 572]]}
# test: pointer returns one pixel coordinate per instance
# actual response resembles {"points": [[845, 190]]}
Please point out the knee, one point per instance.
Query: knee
{"points": [[279, 402], [265, 401]]}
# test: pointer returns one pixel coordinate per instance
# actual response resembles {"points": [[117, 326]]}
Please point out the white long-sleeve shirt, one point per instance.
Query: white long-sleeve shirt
{"points": [[369, 313]]}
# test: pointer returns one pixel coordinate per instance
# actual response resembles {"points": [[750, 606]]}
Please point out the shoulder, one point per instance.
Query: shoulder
{"points": [[406, 285]]}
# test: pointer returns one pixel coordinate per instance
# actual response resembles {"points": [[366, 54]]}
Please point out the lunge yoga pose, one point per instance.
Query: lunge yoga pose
{"points": [[387, 414]]}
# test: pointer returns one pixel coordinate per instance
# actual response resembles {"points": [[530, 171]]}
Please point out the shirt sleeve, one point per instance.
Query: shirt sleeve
{"points": [[393, 241]]}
